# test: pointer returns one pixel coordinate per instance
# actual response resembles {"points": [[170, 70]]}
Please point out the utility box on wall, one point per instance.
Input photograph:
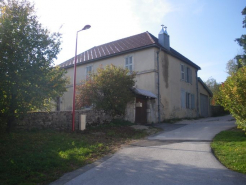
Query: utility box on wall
{"points": [[82, 122]]}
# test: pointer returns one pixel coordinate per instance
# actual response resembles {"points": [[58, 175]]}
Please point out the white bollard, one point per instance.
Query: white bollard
{"points": [[82, 122]]}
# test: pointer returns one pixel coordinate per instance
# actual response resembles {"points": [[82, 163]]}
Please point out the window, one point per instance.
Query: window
{"points": [[182, 72], [128, 63], [88, 71], [187, 100], [186, 73]]}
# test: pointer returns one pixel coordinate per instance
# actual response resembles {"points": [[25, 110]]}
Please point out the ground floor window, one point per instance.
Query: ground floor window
{"points": [[187, 100]]}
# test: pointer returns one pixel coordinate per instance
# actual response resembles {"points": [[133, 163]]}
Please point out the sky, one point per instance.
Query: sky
{"points": [[202, 30]]}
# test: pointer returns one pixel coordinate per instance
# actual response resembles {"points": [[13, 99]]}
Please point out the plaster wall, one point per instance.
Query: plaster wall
{"points": [[171, 85], [143, 64]]}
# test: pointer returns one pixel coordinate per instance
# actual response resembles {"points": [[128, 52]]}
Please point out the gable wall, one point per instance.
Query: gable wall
{"points": [[171, 85]]}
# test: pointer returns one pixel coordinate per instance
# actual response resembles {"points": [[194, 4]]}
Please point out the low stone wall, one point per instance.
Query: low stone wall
{"points": [[218, 111], [61, 120]]}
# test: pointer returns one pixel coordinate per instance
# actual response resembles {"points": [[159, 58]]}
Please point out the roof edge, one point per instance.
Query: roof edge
{"points": [[205, 86], [108, 56]]}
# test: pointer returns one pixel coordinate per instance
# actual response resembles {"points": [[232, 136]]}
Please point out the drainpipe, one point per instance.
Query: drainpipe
{"points": [[158, 86], [197, 104]]}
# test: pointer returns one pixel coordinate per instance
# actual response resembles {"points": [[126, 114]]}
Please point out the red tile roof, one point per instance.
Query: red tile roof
{"points": [[129, 44]]}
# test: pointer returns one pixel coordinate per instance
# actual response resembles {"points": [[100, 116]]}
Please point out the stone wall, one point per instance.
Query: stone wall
{"points": [[61, 120]]}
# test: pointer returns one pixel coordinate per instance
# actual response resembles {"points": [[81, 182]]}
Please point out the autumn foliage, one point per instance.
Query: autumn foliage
{"points": [[233, 96], [108, 89]]}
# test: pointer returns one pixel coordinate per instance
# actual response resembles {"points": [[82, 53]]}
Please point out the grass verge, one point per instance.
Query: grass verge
{"points": [[230, 148], [40, 157]]}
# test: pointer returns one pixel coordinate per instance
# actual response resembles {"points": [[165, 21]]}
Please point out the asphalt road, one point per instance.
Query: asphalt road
{"points": [[178, 156]]}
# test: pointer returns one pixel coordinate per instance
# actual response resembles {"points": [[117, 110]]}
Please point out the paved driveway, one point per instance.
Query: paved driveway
{"points": [[180, 155]]}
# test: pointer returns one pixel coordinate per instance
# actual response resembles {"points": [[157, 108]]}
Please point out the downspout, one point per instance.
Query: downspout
{"points": [[197, 104], [158, 86]]}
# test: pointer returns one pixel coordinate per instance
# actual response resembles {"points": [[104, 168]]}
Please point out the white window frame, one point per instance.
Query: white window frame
{"points": [[127, 65]]}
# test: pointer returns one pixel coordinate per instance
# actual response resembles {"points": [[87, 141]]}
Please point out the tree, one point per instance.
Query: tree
{"points": [[241, 59], [233, 96], [27, 51], [213, 85], [231, 66], [108, 90]]}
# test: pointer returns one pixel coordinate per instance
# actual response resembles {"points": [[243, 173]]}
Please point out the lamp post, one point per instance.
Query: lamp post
{"points": [[74, 77]]}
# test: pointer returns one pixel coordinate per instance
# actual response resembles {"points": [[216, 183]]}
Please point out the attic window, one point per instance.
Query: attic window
{"points": [[128, 63]]}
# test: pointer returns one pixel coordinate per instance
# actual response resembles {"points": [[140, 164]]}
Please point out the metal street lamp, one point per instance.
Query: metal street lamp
{"points": [[74, 77]]}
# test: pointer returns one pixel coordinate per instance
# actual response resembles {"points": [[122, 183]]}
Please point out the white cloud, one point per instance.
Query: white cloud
{"points": [[151, 11]]}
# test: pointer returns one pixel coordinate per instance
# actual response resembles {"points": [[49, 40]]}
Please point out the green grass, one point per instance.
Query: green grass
{"points": [[230, 148], [40, 157]]}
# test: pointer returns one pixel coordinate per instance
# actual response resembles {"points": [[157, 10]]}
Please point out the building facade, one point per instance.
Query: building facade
{"points": [[166, 82]]}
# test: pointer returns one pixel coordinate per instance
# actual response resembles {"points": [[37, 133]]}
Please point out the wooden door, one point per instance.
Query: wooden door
{"points": [[141, 112]]}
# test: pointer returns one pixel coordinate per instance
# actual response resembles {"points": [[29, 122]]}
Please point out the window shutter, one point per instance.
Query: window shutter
{"points": [[188, 101], [192, 101], [185, 73], [182, 98], [190, 76]]}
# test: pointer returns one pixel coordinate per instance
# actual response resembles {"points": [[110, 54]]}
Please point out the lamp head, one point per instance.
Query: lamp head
{"points": [[86, 27]]}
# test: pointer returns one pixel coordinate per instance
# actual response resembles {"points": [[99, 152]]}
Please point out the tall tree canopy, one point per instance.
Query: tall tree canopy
{"points": [[232, 95], [108, 90], [27, 51], [241, 59], [232, 66]]}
